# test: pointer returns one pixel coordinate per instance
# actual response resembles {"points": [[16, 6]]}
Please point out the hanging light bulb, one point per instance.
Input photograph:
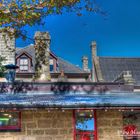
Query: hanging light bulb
{"points": [[90, 115]]}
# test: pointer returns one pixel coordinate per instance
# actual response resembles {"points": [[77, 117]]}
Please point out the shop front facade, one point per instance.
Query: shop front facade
{"points": [[69, 125], [69, 111]]}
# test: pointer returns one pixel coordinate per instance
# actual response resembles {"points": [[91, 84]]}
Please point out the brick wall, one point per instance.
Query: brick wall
{"points": [[108, 124], [43, 125]]}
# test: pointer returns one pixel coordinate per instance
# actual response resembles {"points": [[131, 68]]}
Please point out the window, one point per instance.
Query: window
{"points": [[24, 64], [51, 65], [10, 121], [85, 125]]}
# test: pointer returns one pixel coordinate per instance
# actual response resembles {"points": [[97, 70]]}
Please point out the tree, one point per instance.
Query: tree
{"points": [[18, 13], [2, 68]]}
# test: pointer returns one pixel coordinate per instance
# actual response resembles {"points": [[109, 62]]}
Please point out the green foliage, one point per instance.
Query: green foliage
{"points": [[129, 119], [2, 68], [18, 13], [15, 14]]}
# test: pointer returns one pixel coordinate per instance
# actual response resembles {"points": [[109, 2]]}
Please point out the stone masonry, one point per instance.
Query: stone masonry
{"points": [[109, 124], [42, 55], [43, 125], [7, 48], [58, 125]]}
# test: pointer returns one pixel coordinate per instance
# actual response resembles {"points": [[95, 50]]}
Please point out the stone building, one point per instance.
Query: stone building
{"points": [[25, 59], [75, 104]]}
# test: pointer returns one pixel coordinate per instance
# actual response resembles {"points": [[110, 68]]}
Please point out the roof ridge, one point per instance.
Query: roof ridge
{"points": [[25, 47]]}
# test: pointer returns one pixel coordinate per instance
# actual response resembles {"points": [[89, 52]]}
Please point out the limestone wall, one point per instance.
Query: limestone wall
{"points": [[58, 125], [7, 48], [108, 125], [43, 125]]}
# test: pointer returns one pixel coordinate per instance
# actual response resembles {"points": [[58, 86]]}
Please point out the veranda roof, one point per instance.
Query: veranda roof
{"points": [[67, 95]]}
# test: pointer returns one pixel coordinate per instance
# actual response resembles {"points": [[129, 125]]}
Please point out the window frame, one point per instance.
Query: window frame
{"points": [[27, 65], [51, 64], [95, 124], [12, 128]]}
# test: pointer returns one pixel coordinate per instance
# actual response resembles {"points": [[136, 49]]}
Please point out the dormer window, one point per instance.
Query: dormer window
{"points": [[24, 64]]}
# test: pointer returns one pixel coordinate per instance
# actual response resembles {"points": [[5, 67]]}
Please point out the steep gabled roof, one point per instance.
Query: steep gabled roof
{"points": [[67, 67], [113, 67], [64, 65], [29, 49]]}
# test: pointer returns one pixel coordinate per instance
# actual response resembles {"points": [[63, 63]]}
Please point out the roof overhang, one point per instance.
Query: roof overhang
{"points": [[67, 95], [32, 101]]}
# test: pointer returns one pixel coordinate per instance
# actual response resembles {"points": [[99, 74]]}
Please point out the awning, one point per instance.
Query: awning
{"points": [[71, 101]]}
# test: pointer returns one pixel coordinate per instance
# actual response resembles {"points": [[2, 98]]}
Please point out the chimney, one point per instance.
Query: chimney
{"points": [[93, 60], [85, 63], [127, 78], [42, 54], [96, 70], [93, 49]]}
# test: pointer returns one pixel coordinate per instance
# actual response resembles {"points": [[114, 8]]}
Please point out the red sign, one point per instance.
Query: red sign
{"points": [[130, 129], [84, 137]]}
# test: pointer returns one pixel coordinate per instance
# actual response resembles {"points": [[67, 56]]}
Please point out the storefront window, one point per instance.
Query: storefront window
{"points": [[85, 125], [10, 121]]}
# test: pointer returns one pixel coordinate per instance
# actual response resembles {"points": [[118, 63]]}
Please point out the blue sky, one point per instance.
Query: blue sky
{"points": [[117, 35]]}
